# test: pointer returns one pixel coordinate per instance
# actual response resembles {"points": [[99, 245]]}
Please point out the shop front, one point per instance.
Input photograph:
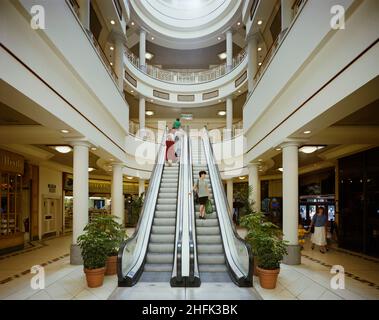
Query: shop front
{"points": [[11, 213]]}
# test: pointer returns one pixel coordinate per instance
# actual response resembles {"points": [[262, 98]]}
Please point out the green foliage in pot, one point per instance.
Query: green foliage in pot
{"points": [[114, 231], [137, 205], [244, 197], [93, 244]]}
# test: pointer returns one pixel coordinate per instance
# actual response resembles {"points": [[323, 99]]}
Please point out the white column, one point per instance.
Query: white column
{"points": [[229, 117], [142, 104], [229, 50], [84, 13], [255, 184], [142, 49], [117, 203], [119, 62], [80, 197], [286, 12], [141, 186], [229, 191], [252, 66], [291, 201]]}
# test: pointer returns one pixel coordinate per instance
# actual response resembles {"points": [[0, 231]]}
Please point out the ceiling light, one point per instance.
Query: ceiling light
{"points": [[222, 113], [63, 149], [260, 22], [307, 132], [278, 149], [219, 38], [242, 178], [111, 159], [219, 100], [152, 38], [111, 48], [111, 63], [149, 113], [259, 49], [239, 91], [149, 55], [130, 178], [310, 149], [238, 23], [65, 131], [132, 23], [113, 22], [93, 148], [280, 169], [152, 100], [132, 91], [222, 55], [260, 63], [91, 169]]}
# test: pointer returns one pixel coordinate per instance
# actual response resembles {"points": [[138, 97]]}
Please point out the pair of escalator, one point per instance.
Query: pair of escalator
{"points": [[171, 243]]}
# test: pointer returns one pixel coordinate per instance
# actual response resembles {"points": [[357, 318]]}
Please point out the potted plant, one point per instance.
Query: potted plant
{"points": [[115, 234], [270, 251], [93, 245]]}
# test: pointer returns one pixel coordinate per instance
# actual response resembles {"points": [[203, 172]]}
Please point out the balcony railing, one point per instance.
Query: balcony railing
{"points": [[186, 77]]}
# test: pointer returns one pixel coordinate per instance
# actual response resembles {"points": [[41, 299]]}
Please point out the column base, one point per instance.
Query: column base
{"points": [[293, 256], [75, 255]]}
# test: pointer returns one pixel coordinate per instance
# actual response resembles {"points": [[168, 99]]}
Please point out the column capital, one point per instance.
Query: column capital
{"points": [[254, 164], [292, 143], [80, 142], [117, 164], [143, 30], [230, 30]]}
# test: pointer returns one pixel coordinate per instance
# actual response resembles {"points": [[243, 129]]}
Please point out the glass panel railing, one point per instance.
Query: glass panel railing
{"points": [[131, 255], [237, 251]]}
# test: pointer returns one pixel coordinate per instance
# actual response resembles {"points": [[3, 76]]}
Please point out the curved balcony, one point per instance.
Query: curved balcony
{"points": [[187, 77]]}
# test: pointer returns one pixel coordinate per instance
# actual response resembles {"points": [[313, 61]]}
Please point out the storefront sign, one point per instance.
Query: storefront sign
{"points": [[11, 162]]}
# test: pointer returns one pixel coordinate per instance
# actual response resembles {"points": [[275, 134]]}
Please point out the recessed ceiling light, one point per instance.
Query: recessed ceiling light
{"points": [[222, 55], [111, 63], [112, 48], [152, 100], [278, 149], [239, 91], [152, 38], [219, 38], [65, 131], [91, 169], [113, 22], [310, 149], [238, 23], [149, 113], [280, 169], [242, 178], [130, 178], [260, 160], [93, 148], [259, 22], [149, 55], [259, 49], [307, 132], [131, 91], [260, 63], [222, 113], [219, 100], [63, 149], [133, 23]]}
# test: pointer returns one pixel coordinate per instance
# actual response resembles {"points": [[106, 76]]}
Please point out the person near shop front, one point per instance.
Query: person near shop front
{"points": [[201, 188], [170, 149], [319, 223]]}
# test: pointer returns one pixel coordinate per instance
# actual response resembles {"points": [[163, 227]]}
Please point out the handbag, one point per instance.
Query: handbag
{"points": [[208, 207]]}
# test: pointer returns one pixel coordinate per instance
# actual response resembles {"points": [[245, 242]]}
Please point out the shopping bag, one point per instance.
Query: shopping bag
{"points": [[208, 207]]}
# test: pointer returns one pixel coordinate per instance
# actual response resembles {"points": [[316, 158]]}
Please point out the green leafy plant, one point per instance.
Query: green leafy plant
{"points": [[137, 205], [244, 196], [114, 231], [93, 244]]}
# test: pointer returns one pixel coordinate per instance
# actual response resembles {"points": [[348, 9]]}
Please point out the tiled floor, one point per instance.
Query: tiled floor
{"points": [[310, 280]]}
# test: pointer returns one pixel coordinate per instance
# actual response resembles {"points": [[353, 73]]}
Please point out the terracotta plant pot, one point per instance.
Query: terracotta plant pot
{"points": [[95, 277], [111, 266], [268, 278]]}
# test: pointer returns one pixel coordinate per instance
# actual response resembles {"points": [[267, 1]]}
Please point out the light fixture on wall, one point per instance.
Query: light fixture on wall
{"points": [[63, 149], [310, 149], [149, 55], [222, 56], [222, 113], [149, 113]]}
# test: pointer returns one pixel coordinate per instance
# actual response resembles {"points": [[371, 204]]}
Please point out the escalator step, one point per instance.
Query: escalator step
{"points": [[210, 248], [161, 248], [163, 230], [203, 231], [211, 258], [209, 239], [158, 267], [213, 268], [164, 221]]}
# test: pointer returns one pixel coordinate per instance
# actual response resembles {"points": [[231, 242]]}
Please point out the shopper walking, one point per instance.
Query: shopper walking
{"points": [[176, 125], [319, 225], [201, 188]]}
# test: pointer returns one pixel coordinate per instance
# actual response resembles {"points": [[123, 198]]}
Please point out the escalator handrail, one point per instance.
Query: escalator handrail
{"points": [[216, 182], [176, 277], [194, 268], [147, 211]]}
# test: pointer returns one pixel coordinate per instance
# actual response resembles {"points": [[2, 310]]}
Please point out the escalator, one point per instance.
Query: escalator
{"points": [[149, 255], [222, 255]]}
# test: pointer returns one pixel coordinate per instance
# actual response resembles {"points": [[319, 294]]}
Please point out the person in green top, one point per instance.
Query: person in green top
{"points": [[176, 125]]}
